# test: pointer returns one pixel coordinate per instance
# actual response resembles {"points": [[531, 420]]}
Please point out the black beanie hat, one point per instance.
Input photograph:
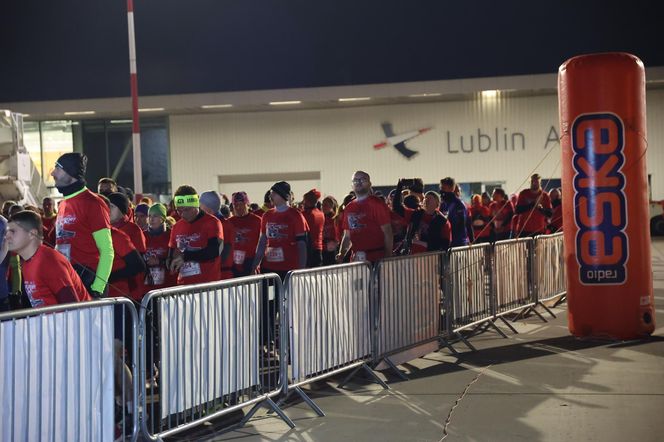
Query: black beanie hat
{"points": [[120, 201], [74, 163], [282, 188]]}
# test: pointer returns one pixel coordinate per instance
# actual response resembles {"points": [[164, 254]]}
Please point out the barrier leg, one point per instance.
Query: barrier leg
{"points": [[394, 368], [507, 323], [492, 323], [371, 374], [539, 315], [560, 300], [309, 402], [465, 341], [445, 343], [274, 408]]}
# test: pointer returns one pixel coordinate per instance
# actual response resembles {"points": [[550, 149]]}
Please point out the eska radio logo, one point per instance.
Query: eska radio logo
{"points": [[600, 206]]}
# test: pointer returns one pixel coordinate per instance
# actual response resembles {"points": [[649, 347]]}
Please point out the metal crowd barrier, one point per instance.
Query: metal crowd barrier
{"points": [[511, 279], [468, 283], [68, 372], [210, 350], [548, 270], [408, 296], [330, 315]]}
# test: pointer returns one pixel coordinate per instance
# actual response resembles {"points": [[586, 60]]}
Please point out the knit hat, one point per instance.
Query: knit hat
{"points": [[120, 201], [282, 188], [211, 200], [225, 211], [74, 164], [142, 209], [157, 209], [313, 193], [240, 197]]}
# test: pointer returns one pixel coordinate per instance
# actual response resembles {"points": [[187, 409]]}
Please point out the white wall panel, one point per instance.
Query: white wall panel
{"points": [[337, 142]]}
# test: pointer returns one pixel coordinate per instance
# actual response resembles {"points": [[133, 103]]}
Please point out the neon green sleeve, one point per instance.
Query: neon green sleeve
{"points": [[106, 254]]}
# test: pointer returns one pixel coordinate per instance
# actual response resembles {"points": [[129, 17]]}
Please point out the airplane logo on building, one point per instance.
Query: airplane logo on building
{"points": [[399, 141]]}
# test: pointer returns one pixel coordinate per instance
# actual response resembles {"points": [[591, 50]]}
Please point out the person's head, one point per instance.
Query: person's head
{"points": [[48, 205], [447, 184], [119, 206], [311, 198], [156, 216], [411, 201], [106, 186], [187, 203], [267, 201], [240, 203], [254, 207], [15, 209], [280, 193], [535, 182], [476, 200], [24, 229], [554, 194], [146, 200], [486, 199], [330, 206], [210, 202], [431, 201], [69, 169], [499, 194], [141, 215], [348, 198], [6, 206], [361, 183]]}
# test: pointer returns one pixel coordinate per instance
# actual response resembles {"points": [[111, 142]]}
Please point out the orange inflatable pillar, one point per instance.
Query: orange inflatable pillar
{"points": [[605, 203]]}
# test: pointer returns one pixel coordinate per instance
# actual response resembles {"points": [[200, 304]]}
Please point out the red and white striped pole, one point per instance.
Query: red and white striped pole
{"points": [[133, 78]]}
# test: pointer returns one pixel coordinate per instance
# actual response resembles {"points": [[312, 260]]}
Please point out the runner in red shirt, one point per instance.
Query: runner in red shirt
{"points": [[127, 265], [195, 241], [331, 230], [156, 255], [247, 231], [316, 222], [119, 206], [282, 245], [556, 223], [50, 216], [481, 218], [210, 203], [48, 277], [533, 207], [83, 233], [502, 212], [427, 228], [366, 224]]}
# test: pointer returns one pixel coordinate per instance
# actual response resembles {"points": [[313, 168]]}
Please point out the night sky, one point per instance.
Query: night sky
{"points": [[68, 49]]}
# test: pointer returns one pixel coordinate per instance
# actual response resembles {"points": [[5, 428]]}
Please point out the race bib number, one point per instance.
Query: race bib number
{"points": [[359, 256], [478, 223], [65, 249], [331, 246], [238, 257], [274, 254], [190, 268], [158, 275]]}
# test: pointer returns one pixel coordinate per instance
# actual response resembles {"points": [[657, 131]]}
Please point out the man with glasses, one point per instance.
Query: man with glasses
{"points": [[196, 241], [366, 224]]}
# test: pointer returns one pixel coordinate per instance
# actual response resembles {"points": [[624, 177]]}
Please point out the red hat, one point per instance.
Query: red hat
{"points": [[313, 192]]}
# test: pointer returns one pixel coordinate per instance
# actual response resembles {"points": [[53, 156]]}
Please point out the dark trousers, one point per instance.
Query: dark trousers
{"points": [[314, 258], [329, 258], [269, 308]]}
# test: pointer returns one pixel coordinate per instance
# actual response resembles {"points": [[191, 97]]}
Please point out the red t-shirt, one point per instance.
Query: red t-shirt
{"points": [[420, 242], [195, 236], [331, 233], [480, 217], [78, 218], [316, 221], [501, 212], [229, 234], [122, 246], [363, 219], [157, 246], [48, 273], [49, 223], [137, 237], [557, 218], [281, 230], [533, 221], [247, 230]]}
